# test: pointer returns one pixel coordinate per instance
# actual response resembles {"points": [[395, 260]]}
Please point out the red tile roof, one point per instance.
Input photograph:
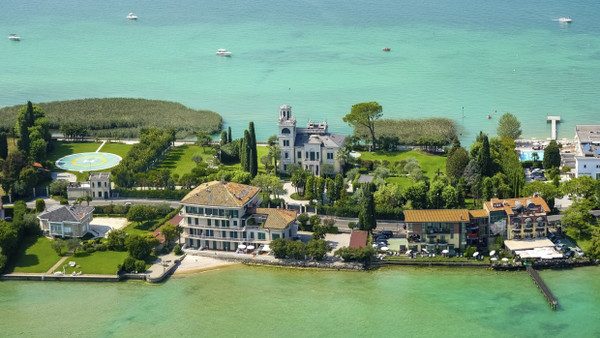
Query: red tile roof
{"points": [[440, 215], [358, 239]]}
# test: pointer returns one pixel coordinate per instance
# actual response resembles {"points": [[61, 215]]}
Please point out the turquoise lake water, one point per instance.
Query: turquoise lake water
{"points": [[319, 56], [270, 302]]}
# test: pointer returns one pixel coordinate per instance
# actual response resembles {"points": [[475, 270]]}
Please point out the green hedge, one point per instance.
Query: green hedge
{"points": [[166, 194]]}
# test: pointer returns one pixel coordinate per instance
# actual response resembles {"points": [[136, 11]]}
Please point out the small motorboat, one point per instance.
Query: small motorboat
{"points": [[14, 37], [386, 49], [223, 52], [565, 20], [131, 16]]}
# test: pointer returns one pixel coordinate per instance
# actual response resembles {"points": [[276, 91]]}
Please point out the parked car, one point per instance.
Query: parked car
{"points": [[387, 233], [578, 251], [569, 254]]}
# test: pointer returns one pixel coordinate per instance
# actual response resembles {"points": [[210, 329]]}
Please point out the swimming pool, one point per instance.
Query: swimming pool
{"points": [[526, 155]]}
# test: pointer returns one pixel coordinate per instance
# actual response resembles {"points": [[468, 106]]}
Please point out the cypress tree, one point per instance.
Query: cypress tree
{"points": [[253, 153], [242, 152], [29, 115], [366, 215], [223, 138], [23, 144], [247, 151], [229, 135], [484, 159], [3, 146]]}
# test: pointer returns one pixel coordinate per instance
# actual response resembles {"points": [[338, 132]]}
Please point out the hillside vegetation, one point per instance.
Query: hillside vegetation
{"points": [[122, 117]]}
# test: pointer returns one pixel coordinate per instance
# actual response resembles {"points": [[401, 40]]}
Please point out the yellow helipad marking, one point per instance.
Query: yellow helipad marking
{"points": [[88, 165]]}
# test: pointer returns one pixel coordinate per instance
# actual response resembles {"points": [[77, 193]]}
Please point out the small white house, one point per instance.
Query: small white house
{"points": [[66, 220]]}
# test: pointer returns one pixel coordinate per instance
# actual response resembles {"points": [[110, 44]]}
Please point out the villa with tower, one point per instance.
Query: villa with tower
{"points": [[310, 147]]}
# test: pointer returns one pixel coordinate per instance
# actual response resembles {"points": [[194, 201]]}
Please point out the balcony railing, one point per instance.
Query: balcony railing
{"points": [[220, 238]]}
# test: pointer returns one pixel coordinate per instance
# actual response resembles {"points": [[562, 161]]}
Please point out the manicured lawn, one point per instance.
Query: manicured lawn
{"points": [[116, 148], [140, 229], [36, 255], [179, 159], [429, 163], [67, 148], [403, 181], [99, 262]]}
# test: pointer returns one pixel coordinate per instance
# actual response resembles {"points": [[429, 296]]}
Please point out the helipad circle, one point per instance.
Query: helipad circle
{"points": [[88, 161]]}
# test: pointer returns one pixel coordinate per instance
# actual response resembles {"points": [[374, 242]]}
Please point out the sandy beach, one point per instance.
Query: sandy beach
{"points": [[192, 264]]}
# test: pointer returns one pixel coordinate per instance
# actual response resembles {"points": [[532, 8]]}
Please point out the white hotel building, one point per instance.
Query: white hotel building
{"points": [[223, 215], [587, 150]]}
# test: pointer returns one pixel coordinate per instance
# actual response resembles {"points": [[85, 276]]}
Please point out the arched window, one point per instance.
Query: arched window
{"points": [[285, 131]]}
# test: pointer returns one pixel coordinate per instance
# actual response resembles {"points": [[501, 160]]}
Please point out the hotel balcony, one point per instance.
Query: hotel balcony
{"points": [[218, 238]]}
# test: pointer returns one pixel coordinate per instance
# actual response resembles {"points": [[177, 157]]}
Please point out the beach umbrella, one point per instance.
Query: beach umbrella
{"points": [[494, 259], [445, 251], [476, 253], [505, 259], [409, 252], [384, 248], [241, 246], [250, 247], [374, 245], [493, 252]]}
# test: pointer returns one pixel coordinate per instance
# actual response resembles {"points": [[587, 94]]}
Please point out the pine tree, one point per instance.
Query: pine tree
{"points": [[3, 146], [229, 139]]}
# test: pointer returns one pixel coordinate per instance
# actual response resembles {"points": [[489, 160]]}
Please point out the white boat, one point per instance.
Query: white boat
{"points": [[14, 37], [565, 20], [223, 52], [131, 16]]}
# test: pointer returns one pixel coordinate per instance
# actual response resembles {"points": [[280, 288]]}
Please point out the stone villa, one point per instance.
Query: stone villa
{"points": [[310, 147]]}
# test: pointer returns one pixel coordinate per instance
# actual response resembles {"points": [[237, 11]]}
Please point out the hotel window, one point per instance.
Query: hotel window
{"points": [[216, 222], [251, 235], [317, 155], [261, 235], [585, 165], [330, 156], [275, 236], [299, 154], [189, 220], [208, 222], [287, 155], [234, 223], [195, 221], [243, 234], [286, 143]]}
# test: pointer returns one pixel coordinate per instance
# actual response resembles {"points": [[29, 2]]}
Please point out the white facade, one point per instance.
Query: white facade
{"points": [[310, 147], [223, 225], [587, 151]]}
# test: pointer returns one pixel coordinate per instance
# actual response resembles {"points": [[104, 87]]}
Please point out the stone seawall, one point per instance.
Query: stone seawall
{"points": [[44, 277], [376, 264], [270, 260]]}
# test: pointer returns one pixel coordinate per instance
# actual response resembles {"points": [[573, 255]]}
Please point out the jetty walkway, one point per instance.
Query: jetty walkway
{"points": [[543, 287]]}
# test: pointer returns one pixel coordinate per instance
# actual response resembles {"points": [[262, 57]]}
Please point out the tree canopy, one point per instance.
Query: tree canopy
{"points": [[365, 114], [509, 126]]}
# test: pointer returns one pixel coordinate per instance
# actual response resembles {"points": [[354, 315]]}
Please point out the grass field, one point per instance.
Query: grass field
{"points": [[429, 163], [120, 149], [179, 160], [99, 262], [36, 255], [67, 148]]}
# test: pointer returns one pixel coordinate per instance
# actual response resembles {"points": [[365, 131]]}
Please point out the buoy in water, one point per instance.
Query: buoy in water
{"points": [[489, 116]]}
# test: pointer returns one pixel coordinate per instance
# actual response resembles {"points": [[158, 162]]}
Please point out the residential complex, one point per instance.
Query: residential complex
{"points": [[587, 150], [66, 220], [310, 147], [452, 229], [224, 215]]}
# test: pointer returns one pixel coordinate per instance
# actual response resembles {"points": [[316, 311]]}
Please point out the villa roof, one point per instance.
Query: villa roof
{"points": [[527, 244], [358, 239], [66, 213], [478, 213], [99, 175], [277, 218], [222, 194], [437, 215], [365, 178], [327, 140], [509, 204]]}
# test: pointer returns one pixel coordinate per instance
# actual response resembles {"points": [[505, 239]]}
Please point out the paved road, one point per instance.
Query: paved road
{"points": [[133, 201]]}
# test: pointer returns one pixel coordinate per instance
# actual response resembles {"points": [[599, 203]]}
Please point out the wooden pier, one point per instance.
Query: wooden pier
{"points": [[545, 290], [554, 120]]}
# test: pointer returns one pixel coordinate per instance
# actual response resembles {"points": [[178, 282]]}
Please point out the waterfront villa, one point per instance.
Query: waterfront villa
{"points": [[224, 215], [98, 186], [587, 150], [513, 218], [310, 147], [66, 220]]}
